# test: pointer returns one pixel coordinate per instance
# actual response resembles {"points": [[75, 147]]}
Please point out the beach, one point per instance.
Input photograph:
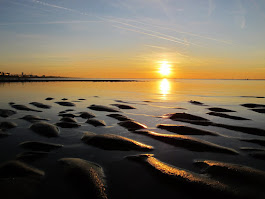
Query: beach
{"points": [[181, 124]]}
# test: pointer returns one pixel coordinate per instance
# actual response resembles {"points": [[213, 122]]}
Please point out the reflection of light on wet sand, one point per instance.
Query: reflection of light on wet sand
{"points": [[164, 88]]}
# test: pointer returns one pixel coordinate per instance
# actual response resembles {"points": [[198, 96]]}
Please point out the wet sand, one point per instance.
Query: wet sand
{"points": [[56, 152]]}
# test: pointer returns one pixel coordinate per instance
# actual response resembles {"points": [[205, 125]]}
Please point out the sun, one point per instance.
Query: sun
{"points": [[165, 68]]}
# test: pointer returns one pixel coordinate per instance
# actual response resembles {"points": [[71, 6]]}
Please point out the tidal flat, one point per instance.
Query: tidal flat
{"points": [[62, 150]]}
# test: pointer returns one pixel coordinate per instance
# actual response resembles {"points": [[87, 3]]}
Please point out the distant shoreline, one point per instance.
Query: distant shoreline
{"points": [[63, 80], [68, 79]]}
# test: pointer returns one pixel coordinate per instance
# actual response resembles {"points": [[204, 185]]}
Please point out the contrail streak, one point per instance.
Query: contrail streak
{"points": [[26, 5], [53, 6], [182, 32], [168, 49], [159, 47], [141, 30], [49, 22], [155, 32], [59, 7], [163, 36], [152, 35]]}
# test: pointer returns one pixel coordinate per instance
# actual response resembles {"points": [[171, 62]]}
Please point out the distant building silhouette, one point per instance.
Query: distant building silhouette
{"points": [[9, 76]]}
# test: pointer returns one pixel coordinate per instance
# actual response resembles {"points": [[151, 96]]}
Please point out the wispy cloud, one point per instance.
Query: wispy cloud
{"points": [[159, 34], [158, 47], [149, 34], [211, 7], [181, 32], [166, 49], [51, 22], [137, 29], [240, 14], [132, 28], [55, 6], [27, 5]]}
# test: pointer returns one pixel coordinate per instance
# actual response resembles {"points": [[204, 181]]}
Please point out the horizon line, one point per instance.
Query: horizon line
{"points": [[133, 78]]}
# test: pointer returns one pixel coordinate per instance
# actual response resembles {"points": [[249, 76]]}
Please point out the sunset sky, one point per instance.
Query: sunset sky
{"points": [[134, 38]]}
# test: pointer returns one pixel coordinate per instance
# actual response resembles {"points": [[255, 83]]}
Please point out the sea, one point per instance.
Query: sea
{"points": [[152, 100]]}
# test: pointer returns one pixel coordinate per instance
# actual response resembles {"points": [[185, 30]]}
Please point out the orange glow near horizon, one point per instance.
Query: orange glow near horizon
{"points": [[167, 67]]}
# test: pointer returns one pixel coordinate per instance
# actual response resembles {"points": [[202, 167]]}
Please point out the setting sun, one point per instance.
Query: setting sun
{"points": [[165, 68]]}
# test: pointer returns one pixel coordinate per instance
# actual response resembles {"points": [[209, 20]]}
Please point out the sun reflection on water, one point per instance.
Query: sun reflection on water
{"points": [[164, 87]]}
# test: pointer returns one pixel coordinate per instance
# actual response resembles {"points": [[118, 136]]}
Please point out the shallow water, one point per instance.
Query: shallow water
{"points": [[151, 98]]}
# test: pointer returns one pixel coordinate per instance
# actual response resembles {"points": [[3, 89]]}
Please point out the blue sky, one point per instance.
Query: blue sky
{"points": [[129, 38]]}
